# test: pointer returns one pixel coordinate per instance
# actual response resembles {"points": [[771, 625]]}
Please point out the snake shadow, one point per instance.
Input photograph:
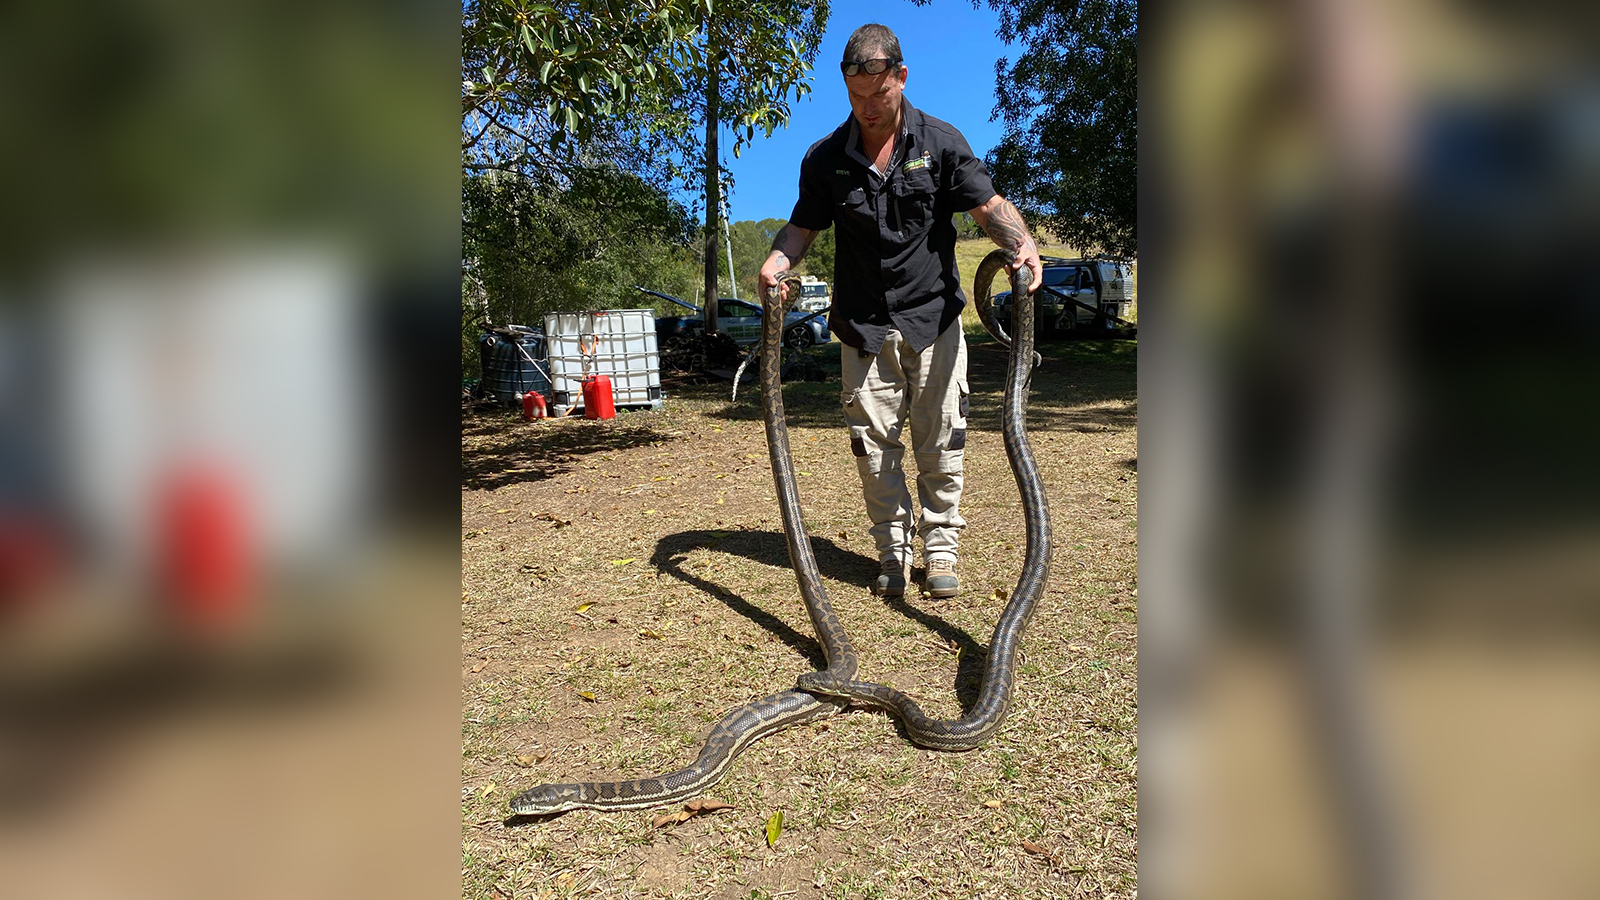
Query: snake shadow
{"points": [[770, 548], [517, 819]]}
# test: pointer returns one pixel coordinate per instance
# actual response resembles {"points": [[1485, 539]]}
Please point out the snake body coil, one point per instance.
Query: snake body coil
{"points": [[994, 698], [826, 693]]}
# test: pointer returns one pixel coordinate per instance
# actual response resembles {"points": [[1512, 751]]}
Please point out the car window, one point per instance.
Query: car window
{"points": [[735, 309], [1059, 275]]}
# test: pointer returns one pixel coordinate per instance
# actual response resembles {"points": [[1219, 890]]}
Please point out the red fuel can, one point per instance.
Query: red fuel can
{"points": [[598, 402], [533, 406]]}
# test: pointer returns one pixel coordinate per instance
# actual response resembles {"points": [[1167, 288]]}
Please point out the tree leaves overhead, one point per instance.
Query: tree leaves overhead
{"points": [[1070, 106], [546, 86]]}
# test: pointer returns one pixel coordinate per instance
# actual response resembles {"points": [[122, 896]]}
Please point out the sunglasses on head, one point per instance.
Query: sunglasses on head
{"points": [[869, 66]]}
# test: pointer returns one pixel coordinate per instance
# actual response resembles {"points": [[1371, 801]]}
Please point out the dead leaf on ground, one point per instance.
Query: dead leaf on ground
{"points": [[998, 594], [705, 805], [671, 819], [774, 827], [1035, 849], [479, 667], [622, 562], [587, 695], [652, 635], [583, 606], [992, 804]]}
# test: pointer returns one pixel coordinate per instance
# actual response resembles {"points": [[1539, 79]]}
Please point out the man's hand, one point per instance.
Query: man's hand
{"points": [[776, 264], [1003, 224], [789, 246]]}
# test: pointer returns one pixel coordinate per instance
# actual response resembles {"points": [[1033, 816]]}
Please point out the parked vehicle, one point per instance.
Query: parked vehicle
{"points": [[1078, 293], [740, 321], [814, 294]]}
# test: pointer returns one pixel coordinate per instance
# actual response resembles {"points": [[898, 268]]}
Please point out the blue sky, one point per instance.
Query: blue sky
{"points": [[950, 50]]}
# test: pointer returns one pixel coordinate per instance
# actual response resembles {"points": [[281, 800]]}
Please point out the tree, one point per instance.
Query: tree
{"points": [[1069, 156], [756, 52], [547, 87], [550, 88], [530, 250]]}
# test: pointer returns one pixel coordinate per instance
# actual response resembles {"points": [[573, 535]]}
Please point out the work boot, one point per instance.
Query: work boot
{"points": [[891, 579], [942, 581]]}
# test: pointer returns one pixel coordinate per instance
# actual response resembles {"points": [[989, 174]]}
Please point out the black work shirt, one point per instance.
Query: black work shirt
{"points": [[895, 263]]}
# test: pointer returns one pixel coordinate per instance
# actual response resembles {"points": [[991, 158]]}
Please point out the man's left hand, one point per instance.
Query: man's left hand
{"points": [[1028, 256]]}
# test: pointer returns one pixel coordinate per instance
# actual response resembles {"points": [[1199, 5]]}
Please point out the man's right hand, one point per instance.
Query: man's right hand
{"points": [[776, 264]]}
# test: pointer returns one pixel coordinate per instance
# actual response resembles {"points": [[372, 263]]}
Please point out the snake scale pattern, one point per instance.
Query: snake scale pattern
{"points": [[826, 693]]}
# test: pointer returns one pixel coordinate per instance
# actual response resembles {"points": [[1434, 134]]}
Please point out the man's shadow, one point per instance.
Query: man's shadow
{"points": [[854, 569]]}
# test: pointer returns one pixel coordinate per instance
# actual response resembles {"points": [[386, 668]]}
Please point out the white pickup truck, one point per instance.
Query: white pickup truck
{"points": [[1078, 293], [814, 294]]}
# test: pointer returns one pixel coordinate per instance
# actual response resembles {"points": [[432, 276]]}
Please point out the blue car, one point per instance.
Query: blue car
{"points": [[741, 321]]}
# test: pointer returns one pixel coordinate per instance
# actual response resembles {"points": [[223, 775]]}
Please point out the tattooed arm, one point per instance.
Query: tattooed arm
{"points": [[789, 246], [1003, 224]]}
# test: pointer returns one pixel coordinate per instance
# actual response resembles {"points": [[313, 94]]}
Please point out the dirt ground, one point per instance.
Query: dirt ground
{"points": [[625, 583]]}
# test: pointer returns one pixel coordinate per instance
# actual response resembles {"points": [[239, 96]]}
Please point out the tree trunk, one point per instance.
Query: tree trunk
{"points": [[713, 185]]}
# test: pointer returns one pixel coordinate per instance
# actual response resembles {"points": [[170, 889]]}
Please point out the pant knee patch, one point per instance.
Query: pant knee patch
{"points": [[958, 436], [948, 462]]}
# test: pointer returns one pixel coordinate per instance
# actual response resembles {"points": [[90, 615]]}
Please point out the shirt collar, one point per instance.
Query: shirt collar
{"points": [[852, 139]]}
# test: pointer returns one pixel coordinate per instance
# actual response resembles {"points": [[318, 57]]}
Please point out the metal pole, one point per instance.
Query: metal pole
{"points": [[733, 279]]}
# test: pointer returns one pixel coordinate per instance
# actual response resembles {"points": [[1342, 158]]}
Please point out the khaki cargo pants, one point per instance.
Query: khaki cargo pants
{"points": [[927, 391]]}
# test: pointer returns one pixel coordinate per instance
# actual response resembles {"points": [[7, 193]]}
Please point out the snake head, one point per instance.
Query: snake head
{"points": [[547, 799]]}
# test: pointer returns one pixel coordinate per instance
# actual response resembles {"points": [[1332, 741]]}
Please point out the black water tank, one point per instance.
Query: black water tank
{"points": [[513, 364]]}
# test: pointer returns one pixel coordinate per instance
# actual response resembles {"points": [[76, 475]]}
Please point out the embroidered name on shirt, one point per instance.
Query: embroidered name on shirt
{"points": [[918, 163], [841, 171]]}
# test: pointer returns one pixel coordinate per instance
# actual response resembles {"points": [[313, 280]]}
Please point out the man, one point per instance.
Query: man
{"points": [[890, 178]]}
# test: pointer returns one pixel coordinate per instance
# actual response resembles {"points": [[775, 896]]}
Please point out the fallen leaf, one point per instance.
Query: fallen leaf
{"points": [[584, 606], [622, 562], [774, 827], [587, 695], [649, 512], [992, 804], [807, 474], [489, 788], [653, 635], [479, 667], [671, 819], [525, 761], [719, 501], [1035, 849], [998, 594], [506, 510], [706, 805]]}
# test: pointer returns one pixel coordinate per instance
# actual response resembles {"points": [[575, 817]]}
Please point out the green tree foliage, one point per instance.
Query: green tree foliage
{"points": [[819, 259], [533, 250], [551, 86], [553, 89], [966, 226], [1070, 105]]}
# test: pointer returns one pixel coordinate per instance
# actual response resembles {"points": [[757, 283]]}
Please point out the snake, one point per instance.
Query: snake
{"points": [[819, 695]]}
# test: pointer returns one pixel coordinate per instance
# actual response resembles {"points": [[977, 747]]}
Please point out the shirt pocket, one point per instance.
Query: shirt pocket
{"points": [[914, 196], [850, 201]]}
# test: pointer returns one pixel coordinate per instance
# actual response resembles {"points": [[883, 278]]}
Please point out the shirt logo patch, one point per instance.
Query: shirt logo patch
{"points": [[841, 171], [920, 162]]}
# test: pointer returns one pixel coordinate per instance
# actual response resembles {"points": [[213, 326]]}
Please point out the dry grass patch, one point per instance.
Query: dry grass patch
{"points": [[626, 583]]}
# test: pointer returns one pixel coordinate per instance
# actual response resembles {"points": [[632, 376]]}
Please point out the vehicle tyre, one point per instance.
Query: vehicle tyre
{"points": [[799, 338]]}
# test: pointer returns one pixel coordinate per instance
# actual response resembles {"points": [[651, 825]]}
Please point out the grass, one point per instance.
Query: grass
{"points": [[706, 616]]}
